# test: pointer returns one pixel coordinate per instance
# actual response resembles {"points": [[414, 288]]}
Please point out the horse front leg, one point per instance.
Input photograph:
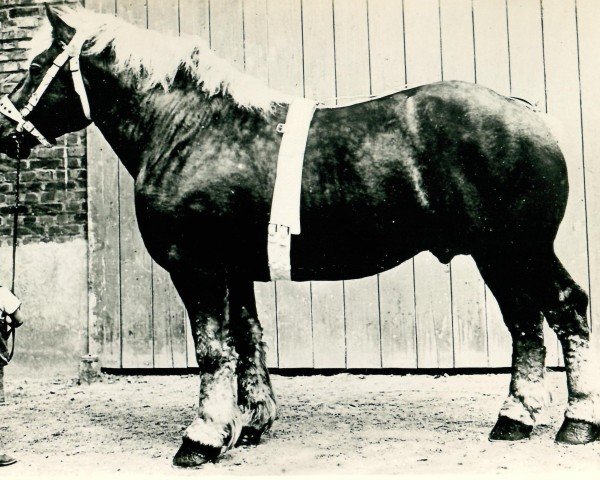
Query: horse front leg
{"points": [[255, 393], [217, 426]]}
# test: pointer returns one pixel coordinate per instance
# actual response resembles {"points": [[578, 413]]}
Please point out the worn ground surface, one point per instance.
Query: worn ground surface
{"points": [[328, 424]]}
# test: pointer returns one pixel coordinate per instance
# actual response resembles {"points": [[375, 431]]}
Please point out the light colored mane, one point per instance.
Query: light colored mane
{"points": [[151, 58]]}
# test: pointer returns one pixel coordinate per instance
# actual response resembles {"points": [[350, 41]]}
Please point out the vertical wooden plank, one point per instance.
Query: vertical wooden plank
{"points": [[526, 55], [227, 30], [563, 97], [168, 334], [103, 245], [397, 311], [163, 16], [351, 49], [136, 265], [588, 18], [101, 6], [193, 20], [396, 286], [362, 323], [468, 288], [469, 314], [492, 70], [285, 73], [319, 54], [526, 51], [103, 240], [432, 280], [328, 324], [256, 38], [456, 26], [133, 11], [361, 298], [433, 312], [386, 46], [319, 82], [491, 45], [266, 306], [285, 46], [256, 63]]}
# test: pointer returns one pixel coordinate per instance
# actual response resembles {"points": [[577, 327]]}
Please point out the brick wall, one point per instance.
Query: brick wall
{"points": [[53, 181]]}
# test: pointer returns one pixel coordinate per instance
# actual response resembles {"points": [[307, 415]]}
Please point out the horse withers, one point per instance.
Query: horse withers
{"points": [[451, 167]]}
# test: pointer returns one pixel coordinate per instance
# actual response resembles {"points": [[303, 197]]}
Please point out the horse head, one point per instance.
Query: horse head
{"points": [[47, 102]]}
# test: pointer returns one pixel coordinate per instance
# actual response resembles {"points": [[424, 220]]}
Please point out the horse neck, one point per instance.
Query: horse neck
{"points": [[142, 126]]}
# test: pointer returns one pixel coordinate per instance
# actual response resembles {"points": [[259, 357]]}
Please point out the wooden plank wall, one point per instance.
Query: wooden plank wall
{"points": [[421, 314]]}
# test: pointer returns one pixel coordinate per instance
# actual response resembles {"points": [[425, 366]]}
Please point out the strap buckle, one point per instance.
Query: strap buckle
{"points": [[278, 248]]}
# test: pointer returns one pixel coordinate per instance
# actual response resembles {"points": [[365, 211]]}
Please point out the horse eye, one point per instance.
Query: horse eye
{"points": [[35, 68]]}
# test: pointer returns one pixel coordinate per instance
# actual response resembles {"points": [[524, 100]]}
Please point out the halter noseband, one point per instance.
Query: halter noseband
{"points": [[71, 52]]}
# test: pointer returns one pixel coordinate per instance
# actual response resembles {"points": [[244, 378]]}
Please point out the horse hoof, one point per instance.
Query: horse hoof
{"points": [[193, 454], [577, 432], [509, 429], [249, 436]]}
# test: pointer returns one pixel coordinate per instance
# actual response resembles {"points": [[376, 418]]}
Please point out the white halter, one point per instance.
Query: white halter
{"points": [[71, 52]]}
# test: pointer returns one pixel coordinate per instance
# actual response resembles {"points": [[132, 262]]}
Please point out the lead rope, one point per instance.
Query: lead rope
{"points": [[15, 237], [16, 217]]}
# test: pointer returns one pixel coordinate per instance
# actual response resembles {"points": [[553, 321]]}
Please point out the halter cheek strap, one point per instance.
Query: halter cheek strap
{"points": [[71, 52]]}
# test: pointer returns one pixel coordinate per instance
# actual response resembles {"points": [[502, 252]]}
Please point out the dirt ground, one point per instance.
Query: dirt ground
{"points": [[342, 424]]}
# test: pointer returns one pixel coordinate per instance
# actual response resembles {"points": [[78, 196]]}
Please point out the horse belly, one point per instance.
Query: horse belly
{"points": [[342, 250]]}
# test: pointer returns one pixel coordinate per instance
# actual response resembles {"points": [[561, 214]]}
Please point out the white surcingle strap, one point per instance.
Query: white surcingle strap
{"points": [[285, 207]]}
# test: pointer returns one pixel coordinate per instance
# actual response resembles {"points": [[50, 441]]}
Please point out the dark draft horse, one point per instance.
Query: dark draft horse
{"points": [[451, 167]]}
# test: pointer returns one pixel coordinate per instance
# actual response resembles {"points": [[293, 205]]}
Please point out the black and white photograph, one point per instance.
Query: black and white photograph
{"points": [[299, 237]]}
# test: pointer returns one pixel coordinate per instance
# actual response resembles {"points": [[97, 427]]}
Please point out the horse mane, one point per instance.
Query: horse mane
{"points": [[150, 58]]}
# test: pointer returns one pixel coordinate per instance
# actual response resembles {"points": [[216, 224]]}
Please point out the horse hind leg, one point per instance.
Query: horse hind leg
{"points": [[255, 393], [527, 392], [565, 308]]}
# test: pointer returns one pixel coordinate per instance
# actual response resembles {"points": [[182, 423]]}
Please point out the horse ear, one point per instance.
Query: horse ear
{"points": [[60, 30]]}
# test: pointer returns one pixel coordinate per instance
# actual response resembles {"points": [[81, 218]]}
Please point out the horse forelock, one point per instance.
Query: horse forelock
{"points": [[151, 58], [40, 42]]}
